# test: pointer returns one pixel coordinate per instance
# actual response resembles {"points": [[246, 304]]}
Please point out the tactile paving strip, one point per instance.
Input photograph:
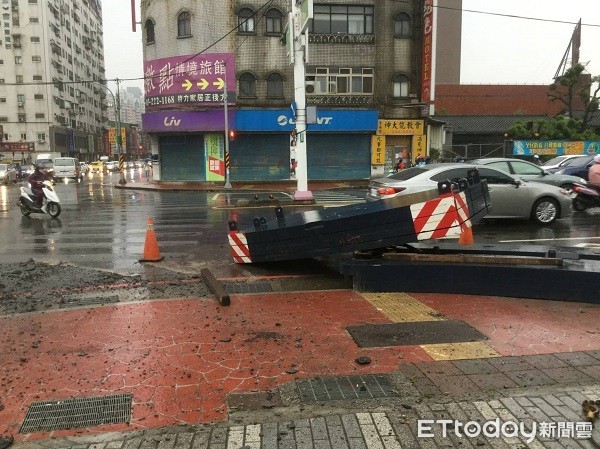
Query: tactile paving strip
{"points": [[74, 413], [347, 387]]}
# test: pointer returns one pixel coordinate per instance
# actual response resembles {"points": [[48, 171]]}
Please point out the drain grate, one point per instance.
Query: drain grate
{"points": [[76, 413], [248, 287], [347, 387], [414, 333], [88, 301]]}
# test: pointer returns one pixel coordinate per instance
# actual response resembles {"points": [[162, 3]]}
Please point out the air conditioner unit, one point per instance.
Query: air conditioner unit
{"points": [[310, 87], [21, 119], [19, 104], [41, 140]]}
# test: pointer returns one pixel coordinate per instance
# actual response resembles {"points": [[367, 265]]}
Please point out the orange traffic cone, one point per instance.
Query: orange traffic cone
{"points": [[151, 251], [466, 236]]}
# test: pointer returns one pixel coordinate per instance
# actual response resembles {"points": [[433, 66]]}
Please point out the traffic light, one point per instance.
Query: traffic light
{"points": [[232, 134]]}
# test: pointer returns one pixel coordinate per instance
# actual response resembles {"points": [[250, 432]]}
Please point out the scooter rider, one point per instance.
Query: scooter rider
{"points": [[594, 171], [36, 180]]}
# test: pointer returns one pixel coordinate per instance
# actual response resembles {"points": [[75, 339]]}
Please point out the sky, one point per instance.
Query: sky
{"points": [[495, 49]]}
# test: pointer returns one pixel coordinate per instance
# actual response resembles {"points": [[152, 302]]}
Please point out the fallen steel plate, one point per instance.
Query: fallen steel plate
{"points": [[347, 387], [413, 333]]}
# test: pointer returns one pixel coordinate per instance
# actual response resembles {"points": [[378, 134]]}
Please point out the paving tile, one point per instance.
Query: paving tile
{"points": [[592, 371], [460, 351], [411, 371], [569, 375], [576, 358], [426, 387], [492, 381], [475, 366], [510, 363], [543, 361], [530, 378], [442, 367], [454, 385]]}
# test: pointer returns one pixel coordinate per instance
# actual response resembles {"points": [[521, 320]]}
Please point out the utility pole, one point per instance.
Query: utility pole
{"points": [[118, 139], [225, 101], [301, 13]]}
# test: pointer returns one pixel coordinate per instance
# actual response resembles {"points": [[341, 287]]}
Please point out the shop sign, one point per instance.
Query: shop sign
{"points": [[17, 147], [378, 150], [328, 120], [400, 127], [215, 157], [185, 121], [419, 147], [555, 147], [189, 79]]}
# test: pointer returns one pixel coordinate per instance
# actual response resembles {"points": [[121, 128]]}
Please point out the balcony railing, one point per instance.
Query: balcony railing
{"points": [[341, 38], [339, 100]]}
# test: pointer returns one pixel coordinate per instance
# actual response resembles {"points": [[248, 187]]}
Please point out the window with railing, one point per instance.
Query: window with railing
{"points": [[332, 19], [339, 81]]}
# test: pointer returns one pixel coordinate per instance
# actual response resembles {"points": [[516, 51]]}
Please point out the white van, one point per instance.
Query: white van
{"points": [[67, 167]]}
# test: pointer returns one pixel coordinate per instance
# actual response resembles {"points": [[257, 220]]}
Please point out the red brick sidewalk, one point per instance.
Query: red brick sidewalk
{"points": [[180, 358]]}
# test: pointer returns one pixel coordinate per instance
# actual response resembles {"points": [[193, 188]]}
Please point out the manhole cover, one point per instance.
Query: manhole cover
{"points": [[414, 333], [76, 413], [346, 387]]}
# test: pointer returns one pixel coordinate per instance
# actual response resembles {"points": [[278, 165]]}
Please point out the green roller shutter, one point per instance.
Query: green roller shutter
{"points": [[339, 157], [182, 157], [260, 157]]}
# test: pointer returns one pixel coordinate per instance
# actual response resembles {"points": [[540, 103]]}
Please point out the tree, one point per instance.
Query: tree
{"points": [[578, 92], [574, 85]]}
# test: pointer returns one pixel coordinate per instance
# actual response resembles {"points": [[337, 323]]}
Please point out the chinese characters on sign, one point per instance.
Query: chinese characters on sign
{"points": [[378, 150], [555, 147], [418, 147], [189, 79], [215, 157], [400, 127], [17, 146], [427, 48]]}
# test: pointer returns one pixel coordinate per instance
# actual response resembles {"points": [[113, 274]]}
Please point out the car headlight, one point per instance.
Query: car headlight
{"points": [[2, 173]]}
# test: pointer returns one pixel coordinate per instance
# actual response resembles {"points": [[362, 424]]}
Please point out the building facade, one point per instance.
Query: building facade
{"points": [[51, 67], [364, 74]]}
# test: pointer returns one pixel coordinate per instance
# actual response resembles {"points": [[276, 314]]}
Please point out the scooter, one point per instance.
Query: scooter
{"points": [[50, 206], [587, 196]]}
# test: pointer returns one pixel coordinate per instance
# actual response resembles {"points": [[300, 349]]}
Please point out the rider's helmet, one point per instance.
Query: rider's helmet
{"points": [[39, 167]]}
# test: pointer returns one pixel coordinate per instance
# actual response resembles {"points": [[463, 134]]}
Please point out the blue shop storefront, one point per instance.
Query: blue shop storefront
{"points": [[338, 145]]}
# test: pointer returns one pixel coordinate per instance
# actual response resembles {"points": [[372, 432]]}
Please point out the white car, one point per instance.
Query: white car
{"points": [[559, 161], [511, 197], [8, 173]]}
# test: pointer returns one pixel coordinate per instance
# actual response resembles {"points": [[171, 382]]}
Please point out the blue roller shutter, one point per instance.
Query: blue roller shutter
{"points": [[339, 156], [260, 157], [182, 157]]}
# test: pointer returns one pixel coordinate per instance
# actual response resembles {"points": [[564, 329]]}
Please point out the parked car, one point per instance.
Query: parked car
{"points": [[8, 173], [511, 197], [559, 161], [98, 167], [529, 171], [578, 166]]}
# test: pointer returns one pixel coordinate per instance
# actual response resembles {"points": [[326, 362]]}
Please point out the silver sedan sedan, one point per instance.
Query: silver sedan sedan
{"points": [[511, 197]]}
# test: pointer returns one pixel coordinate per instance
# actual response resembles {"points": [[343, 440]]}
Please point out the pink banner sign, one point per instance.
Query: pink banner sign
{"points": [[189, 79]]}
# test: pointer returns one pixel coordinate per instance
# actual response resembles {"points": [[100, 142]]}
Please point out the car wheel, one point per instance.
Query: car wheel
{"points": [[545, 211]]}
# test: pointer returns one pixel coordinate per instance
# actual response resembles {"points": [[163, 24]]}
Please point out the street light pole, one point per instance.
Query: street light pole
{"points": [[225, 101]]}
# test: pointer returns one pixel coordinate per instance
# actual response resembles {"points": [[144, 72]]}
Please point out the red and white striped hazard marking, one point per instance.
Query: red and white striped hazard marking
{"points": [[437, 218], [239, 247], [462, 211]]}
